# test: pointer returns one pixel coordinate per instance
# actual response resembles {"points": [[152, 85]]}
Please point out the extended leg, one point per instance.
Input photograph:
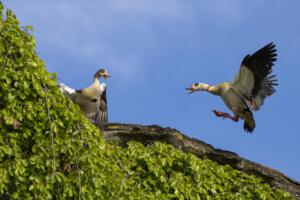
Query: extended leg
{"points": [[226, 115]]}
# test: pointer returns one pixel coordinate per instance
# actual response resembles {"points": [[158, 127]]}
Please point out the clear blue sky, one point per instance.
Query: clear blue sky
{"points": [[154, 49]]}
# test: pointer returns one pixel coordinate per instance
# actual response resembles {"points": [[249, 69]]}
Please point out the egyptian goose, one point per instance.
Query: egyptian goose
{"points": [[253, 83], [92, 100]]}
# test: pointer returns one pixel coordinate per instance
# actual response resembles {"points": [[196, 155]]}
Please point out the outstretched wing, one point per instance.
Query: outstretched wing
{"points": [[102, 116], [254, 80], [103, 107]]}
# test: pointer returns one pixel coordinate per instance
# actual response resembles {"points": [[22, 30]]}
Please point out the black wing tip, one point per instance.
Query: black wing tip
{"points": [[270, 48], [271, 45]]}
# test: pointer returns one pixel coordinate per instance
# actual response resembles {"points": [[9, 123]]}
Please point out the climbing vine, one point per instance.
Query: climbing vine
{"points": [[49, 150]]}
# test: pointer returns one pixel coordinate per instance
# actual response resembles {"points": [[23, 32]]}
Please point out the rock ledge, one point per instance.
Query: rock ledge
{"points": [[122, 133]]}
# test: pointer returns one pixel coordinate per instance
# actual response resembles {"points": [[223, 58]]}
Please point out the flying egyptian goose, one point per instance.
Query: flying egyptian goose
{"points": [[253, 83], [92, 100]]}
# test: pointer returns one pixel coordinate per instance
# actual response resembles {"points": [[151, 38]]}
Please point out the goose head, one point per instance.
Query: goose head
{"points": [[102, 73], [197, 87]]}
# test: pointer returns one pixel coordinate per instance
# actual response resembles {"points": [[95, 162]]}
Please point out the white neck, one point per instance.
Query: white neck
{"points": [[210, 88], [96, 81], [204, 86]]}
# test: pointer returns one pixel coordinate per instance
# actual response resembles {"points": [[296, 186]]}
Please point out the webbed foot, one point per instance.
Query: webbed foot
{"points": [[226, 115]]}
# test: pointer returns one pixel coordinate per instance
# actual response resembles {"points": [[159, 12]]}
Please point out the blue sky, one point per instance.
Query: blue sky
{"points": [[154, 49]]}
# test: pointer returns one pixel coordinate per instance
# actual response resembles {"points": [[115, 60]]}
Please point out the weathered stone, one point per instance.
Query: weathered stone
{"points": [[122, 133]]}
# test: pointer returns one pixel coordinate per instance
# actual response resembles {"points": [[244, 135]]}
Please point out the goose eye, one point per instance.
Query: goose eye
{"points": [[196, 84]]}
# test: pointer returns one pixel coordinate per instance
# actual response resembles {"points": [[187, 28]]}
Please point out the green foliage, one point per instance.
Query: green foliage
{"points": [[49, 150]]}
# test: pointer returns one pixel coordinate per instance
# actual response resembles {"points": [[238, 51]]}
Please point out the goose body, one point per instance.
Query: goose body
{"points": [[88, 99], [91, 100], [252, 84], [231, 99]]}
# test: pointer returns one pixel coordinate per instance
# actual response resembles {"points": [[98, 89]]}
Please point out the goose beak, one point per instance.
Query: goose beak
{"points": [[190, 90], [106, 76]]}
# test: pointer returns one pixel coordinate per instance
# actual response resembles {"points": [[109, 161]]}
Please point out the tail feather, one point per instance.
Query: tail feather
{"points": [[249, 122]]}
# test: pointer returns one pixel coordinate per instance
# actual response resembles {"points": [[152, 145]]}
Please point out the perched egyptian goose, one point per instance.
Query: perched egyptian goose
{"points": [[253, 83], [92, 100]]}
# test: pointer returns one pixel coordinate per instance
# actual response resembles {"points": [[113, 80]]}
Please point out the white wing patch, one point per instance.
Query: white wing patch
{"points": [[102, 87], [65, 89]]}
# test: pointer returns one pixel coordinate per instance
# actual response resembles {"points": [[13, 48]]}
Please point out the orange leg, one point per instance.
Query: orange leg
{"points": [[226, 115]]}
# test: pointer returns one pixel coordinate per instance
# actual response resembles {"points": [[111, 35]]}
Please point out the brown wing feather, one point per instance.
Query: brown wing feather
{"points": [[103, 107], [101, 116]]}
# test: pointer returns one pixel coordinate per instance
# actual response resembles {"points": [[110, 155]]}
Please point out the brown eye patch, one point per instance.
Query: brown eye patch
{"points": [[196, 84]]}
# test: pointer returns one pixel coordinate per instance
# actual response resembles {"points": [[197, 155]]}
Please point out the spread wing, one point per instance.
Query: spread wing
{"points": [[103, 107], [254, 81], [102, 115]]}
